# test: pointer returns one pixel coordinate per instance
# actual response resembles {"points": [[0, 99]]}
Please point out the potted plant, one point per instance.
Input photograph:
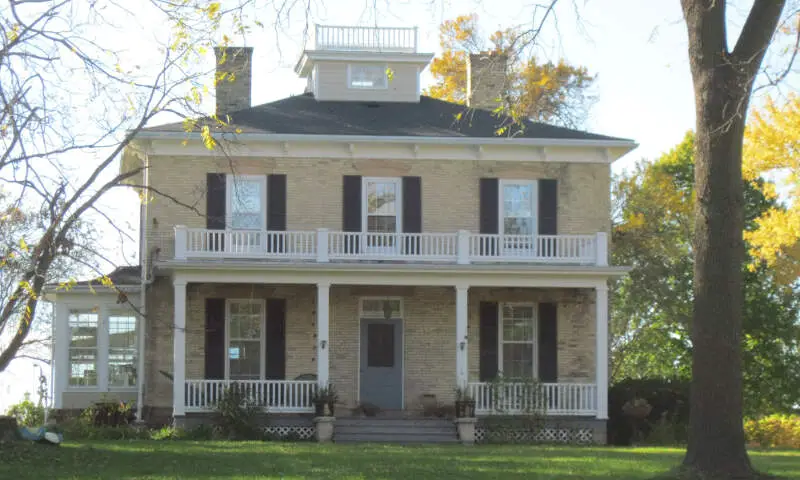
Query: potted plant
{"points": [[330, 399], [320, 400], [465, 404], [325, 397]]}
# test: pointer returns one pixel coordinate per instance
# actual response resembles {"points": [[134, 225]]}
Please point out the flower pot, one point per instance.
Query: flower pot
{"points": [[465, 408]]}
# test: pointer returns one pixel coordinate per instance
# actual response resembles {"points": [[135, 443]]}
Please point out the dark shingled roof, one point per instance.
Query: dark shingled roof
{"points": [[127, 275], [304, 115]]}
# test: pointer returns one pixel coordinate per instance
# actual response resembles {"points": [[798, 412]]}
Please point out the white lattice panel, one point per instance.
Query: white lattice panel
{"points": [[544, 435], [298, 431]]}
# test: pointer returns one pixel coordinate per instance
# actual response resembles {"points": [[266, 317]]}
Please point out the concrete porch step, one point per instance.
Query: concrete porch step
{"points": [[394, 430]]}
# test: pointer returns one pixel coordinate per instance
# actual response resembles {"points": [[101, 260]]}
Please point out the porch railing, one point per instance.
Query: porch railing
{"points": [[569, 399], [280, 396], [382, 39], [460, 247]]}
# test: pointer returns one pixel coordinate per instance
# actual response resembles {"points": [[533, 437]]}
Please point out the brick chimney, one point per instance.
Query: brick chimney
{"points": [[237, 63], [486, 78]]}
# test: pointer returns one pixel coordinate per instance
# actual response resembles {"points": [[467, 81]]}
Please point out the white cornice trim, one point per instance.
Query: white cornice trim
{"points": [[308, 58], [396, 274]]}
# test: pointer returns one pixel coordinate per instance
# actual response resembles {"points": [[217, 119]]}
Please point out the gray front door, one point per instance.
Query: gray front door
{"points": [[382, 363]]}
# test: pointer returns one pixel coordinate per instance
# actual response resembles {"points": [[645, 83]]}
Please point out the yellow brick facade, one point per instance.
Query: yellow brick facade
{"points": [[450, 191], [428, 334]]}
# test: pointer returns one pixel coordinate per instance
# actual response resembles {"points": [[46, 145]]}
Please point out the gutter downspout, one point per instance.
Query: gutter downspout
{"points": [[145, 281]]}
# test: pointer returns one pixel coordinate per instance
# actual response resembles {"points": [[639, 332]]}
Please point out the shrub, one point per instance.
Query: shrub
{"points": [[202, 432], [649, 410], [27, 413], [236, 416], [111, 414], [774, 431]]}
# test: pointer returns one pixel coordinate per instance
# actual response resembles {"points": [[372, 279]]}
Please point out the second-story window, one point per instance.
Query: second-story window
{"points": [[382, 210], [518, 207], [367, 76], [247, 202]]}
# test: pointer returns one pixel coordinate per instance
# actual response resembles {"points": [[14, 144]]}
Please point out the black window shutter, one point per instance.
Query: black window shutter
{"points": [[276, 211], [215, 201], [548, 206], [276, 202], [489, 221], [548, 342], [215, 338], [351, 209], [275, 337], [412, 212], [488, 341]]}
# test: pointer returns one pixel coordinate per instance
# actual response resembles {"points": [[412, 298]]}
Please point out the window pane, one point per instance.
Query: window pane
{"points": [[518, 200], [247, 202], [381, 224], [367, 76], [83, 366], [381, 198], [122, 353], [245, 359], [376, 307], [518, 323], [518, 226], [517, 360], [380, 345], [83, 348]]}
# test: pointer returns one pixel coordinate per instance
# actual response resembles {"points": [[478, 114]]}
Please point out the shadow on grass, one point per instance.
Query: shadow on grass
{"points": [[207, 460]]}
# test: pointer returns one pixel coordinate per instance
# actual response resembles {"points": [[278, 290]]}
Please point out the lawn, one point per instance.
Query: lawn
{"points": [[218, 460]]}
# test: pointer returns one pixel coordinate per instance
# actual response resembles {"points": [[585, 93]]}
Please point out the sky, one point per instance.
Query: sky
{"points": [[636, 48]]}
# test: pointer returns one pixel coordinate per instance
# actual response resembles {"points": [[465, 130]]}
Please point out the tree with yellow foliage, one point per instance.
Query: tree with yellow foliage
{"points": [[772, 147], [554, 93]]}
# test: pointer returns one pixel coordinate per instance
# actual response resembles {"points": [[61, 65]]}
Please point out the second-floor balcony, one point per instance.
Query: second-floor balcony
{"points": [[323, 246]]}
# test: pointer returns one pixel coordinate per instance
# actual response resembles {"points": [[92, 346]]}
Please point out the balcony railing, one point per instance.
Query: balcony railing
{"points": [[380, 39], [324, 246], [573, 399], [279, 396]]}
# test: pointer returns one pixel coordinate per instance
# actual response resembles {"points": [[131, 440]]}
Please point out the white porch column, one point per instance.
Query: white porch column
{"points": [[462, 372], [323, 345], [61, 336], [179, 351], [601, 349]]}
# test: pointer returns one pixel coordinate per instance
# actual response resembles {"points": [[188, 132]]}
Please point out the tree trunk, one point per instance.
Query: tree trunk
{"points": [[722, 85], [716, 436]]}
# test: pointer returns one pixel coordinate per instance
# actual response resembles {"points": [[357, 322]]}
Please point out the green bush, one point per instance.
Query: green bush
{"points": [[27, 413], [111, 414], [665, 420], [202, 432], [774, 431], [235, 416]]}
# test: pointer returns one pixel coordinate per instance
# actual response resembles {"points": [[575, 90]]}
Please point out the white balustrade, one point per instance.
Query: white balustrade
{"points": [[323, 246], [508, 398], [533, 248], [386, 39], [393, 246], [279, 396]]}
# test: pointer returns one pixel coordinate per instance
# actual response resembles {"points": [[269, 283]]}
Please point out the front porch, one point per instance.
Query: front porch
{"points": [[435, 338]]}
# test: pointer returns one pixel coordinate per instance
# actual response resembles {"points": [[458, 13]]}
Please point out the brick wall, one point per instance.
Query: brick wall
{"points": [[429, 334], [450, 199]]}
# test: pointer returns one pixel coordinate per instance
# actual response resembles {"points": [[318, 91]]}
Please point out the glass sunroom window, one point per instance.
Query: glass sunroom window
{"points": [[83, 348]]}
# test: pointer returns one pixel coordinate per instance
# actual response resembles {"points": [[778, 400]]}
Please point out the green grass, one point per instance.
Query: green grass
{"points": [[218, 460]]}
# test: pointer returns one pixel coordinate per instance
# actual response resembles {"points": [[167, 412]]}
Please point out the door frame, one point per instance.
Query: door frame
{"points": [[402, 319]]}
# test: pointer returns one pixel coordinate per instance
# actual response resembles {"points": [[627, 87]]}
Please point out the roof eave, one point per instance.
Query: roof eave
{"points": [[626, 145]]}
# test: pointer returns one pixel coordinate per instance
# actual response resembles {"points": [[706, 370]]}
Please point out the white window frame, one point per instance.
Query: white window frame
{"points": [[384, 68], [398, 182], [535, 342], [107, 331], [98, 352], [262, 337], [231, 180], [501, 214], [103, 311]]}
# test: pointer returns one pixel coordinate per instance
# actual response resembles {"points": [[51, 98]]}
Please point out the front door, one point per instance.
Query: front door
{"points": [[382, 363]]}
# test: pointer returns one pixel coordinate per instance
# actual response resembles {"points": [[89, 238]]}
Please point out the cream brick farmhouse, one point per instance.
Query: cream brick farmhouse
{"points": [[359, 235]]}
